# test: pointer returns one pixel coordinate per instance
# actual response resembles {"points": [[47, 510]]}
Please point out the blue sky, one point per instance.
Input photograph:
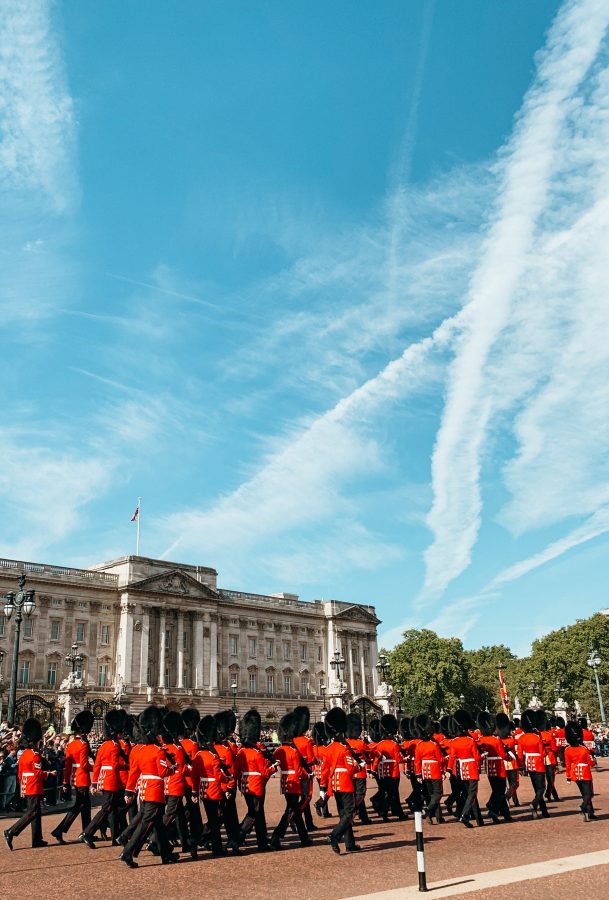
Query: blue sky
{"points": [[325, 285]]}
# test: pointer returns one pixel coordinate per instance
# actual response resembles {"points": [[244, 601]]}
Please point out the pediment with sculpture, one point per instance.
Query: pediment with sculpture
{"points": [[358, 614], [174, 582]]}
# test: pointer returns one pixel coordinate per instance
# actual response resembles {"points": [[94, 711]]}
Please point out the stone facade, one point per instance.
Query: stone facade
{"points": [[165, 632]]}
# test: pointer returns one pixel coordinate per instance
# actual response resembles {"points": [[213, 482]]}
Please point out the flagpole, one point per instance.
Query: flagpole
{"points": [[139, 516]]}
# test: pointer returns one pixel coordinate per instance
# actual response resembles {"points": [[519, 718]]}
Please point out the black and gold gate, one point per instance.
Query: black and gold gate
{"points": [[34, 706], [99, 708]]}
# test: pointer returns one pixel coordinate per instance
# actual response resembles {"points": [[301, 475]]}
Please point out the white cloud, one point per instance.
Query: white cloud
{"points": [[531, 169]]}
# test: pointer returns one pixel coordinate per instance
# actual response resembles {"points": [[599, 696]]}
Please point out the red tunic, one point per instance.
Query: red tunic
{"points": [[227, 756], [531, 753], [319, 750], [511, 762], [77, 766], [559, 735], [208, 779], [191, 748], [464, 758], [428, 760], [390, 758], [105, 771], [148, 768], [578, 763], [175, 783], [588, 739], [338, 768], [549, 745], [123, 765], [291, 769], [305, 745], [362, 750], [30, 773], [252, 771], [407, 760], [495, 755]]}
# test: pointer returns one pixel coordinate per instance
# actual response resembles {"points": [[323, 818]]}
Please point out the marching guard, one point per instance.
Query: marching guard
{"points": [[31, 776], [77, 770]]}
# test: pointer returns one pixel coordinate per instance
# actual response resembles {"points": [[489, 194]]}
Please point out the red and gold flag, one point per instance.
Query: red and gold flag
{"points": [[505, 700]]}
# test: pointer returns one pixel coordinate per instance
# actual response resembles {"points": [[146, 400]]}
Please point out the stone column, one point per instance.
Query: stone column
{"points": [[144, 646], [180, 649], [374, 658], [213, 658], [125, 643], [197, 656], [162, 629], [206, 650], [351, 669], [362, 664]]}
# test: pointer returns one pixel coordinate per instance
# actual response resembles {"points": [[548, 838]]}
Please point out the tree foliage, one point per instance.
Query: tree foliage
{"points": [[433, 672]]}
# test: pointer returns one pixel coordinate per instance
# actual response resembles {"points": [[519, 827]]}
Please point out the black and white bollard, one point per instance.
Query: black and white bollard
{"points": [[418, 827]]}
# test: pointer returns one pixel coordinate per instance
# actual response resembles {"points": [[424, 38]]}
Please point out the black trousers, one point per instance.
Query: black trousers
{"points": [[193, 812], [433, 788], [538, 780], [231, 819], [511, 793], [497, 802], [415, 798], [551, 792], [82, 806], [255, 818], [455, 792], [292, 814], [360, 800], [33, 817], [470, 799], [345, 803], [585, 789], [378, 800], [175, 812], [212, 811], [152, 820], [391, 788], [110, 810]]}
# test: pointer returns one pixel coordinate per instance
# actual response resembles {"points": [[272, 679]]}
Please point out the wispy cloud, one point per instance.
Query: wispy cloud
{"points": [[531, 159]]}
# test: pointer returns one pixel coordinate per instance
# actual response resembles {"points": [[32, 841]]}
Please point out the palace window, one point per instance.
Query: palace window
{"points": [[56, 601], [52, 674], [104, 634], [303, 652], [2, 626], [354, 654], [55, 629], [24, 672], [80, 632], [28, 628], [103, 675], [287, 684], [320, 654], [252, 682], [270, 684], [184, 640], [366, 656], [287, 648], [233, 644], [358, 683], [251, 647], [304, 687], [168, 640], [269, 649]]}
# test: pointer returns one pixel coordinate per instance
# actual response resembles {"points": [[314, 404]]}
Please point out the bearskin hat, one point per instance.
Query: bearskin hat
{"points": [[286, 730], [552, 721], [573, 733], [207, 732], [82, 723], [133, 729], [560, 722], [231, 722], [582, 722], [389, 725], [173, 725], [303, 719], [486, 723], [503, 725], [336, 721], [115, 722], [405, 727], [222, 725], [319, 733], [423, 726], [151, 724], [463, 721], [191, 718], [445, 725], [528, 720], [374, 729], [541, 720], [31, 731], [354, 725], [250, 727]]}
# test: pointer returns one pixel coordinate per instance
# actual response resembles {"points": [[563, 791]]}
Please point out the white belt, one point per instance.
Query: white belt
{"points": [[77, 766], [288, 771], [252, 773], [341, 770], [489, 758], [207, 780], [151, 778], [531, 754], [107, 768], [430, 760], [469, 759], [27, 775]]}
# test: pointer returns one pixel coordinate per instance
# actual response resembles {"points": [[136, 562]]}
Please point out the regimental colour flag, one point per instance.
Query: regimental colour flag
{"points": [[505, 700]]}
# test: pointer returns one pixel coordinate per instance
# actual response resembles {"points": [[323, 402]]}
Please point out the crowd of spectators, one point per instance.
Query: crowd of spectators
{"points": [[53, 754]]}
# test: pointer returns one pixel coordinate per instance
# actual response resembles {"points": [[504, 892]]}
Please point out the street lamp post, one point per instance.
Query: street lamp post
{"points": [[18, 603], [594, 661], [73, 658], [233, 688], [322, 691], [338, 667], [383, 668]]}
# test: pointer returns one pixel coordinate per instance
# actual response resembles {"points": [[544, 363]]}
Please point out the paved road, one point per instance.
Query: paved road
{"points": [[388, 860]]}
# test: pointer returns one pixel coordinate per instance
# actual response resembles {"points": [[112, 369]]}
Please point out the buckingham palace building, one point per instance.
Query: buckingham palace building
{"points": [[152, 631]]}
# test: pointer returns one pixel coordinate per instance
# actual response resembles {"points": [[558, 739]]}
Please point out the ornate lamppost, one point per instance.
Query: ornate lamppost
{"points": [[234, 689], [338, 667], [383, 668], [594, 661], [73, 658], [19, 603], [322, 691]]}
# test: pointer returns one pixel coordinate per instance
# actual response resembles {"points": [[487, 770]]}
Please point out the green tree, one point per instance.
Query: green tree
{"points": [[430, 670]]}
